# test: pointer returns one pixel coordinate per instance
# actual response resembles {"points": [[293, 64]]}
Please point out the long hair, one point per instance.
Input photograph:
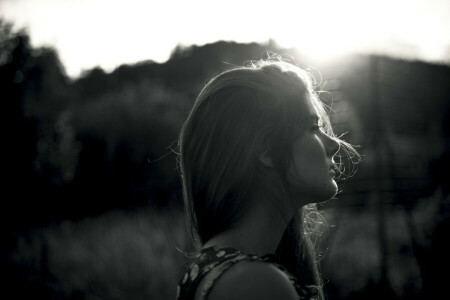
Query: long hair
{"points": [[239, 114]]}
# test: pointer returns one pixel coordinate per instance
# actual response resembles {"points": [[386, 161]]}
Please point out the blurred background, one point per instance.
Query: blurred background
{"points": [[94, 94]]}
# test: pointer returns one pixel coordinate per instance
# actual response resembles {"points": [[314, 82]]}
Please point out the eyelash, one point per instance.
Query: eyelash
{"points": [[317, 128]]}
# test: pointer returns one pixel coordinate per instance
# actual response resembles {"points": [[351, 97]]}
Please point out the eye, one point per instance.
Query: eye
{"points": [[317, 128]]}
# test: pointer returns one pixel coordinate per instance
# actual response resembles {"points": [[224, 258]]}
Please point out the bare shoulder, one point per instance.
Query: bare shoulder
{"points": [[252, 280]]}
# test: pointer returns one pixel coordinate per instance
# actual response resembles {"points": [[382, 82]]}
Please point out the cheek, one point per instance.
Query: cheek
{"points": [[308, 159], [302, 171], [309, 170]]}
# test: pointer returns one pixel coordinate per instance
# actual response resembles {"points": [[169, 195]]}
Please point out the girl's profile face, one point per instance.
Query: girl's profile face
{"points": [[313, 154]]}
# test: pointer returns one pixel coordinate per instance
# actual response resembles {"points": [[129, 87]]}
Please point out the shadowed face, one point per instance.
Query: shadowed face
{"points": [[313, 153]]}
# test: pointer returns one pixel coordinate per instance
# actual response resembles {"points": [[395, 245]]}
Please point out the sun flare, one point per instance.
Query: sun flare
{"points": [[109, 33]]}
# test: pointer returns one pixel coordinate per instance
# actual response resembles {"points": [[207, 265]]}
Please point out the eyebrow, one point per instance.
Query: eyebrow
{"points": [[310, 119], [314, 118]]}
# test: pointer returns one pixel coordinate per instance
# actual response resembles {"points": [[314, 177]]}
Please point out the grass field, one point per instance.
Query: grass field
{"points": [[133, 254], [118, 255]]}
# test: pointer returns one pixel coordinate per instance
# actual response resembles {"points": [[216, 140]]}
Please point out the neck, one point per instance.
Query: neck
{"points": [[257, 232]]}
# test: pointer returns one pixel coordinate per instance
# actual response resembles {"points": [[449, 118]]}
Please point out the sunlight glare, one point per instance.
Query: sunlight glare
{"points": [[108, 33], [325, 30]]}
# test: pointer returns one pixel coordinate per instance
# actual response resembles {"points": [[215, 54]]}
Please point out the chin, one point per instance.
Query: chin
{"points": [[316, 193], [331, 195], [333, 190], [324, 194]]}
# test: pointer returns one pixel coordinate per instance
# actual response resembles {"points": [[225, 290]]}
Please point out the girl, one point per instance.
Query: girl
{"points": [[256, 155]]}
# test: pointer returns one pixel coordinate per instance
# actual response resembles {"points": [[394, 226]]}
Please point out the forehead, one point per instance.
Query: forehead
{"points": [[311, 111], [310, 107]]}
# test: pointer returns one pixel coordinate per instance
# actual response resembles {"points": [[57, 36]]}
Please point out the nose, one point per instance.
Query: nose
{"points": [[332, 146]]}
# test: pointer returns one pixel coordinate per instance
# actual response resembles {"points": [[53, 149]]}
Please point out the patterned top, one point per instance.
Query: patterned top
{"points": [[216, 260]]}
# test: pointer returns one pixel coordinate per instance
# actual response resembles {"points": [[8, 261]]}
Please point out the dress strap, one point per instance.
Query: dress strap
{"points": [[210, 263]]}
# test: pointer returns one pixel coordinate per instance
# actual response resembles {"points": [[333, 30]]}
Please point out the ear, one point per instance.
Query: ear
{"points": [[265, 158]]}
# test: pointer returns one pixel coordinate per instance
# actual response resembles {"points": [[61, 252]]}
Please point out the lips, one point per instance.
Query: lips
{"points": [[333, 169]]}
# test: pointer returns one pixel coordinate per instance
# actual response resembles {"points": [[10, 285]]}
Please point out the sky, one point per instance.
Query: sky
{"points": [[108, 33]]}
